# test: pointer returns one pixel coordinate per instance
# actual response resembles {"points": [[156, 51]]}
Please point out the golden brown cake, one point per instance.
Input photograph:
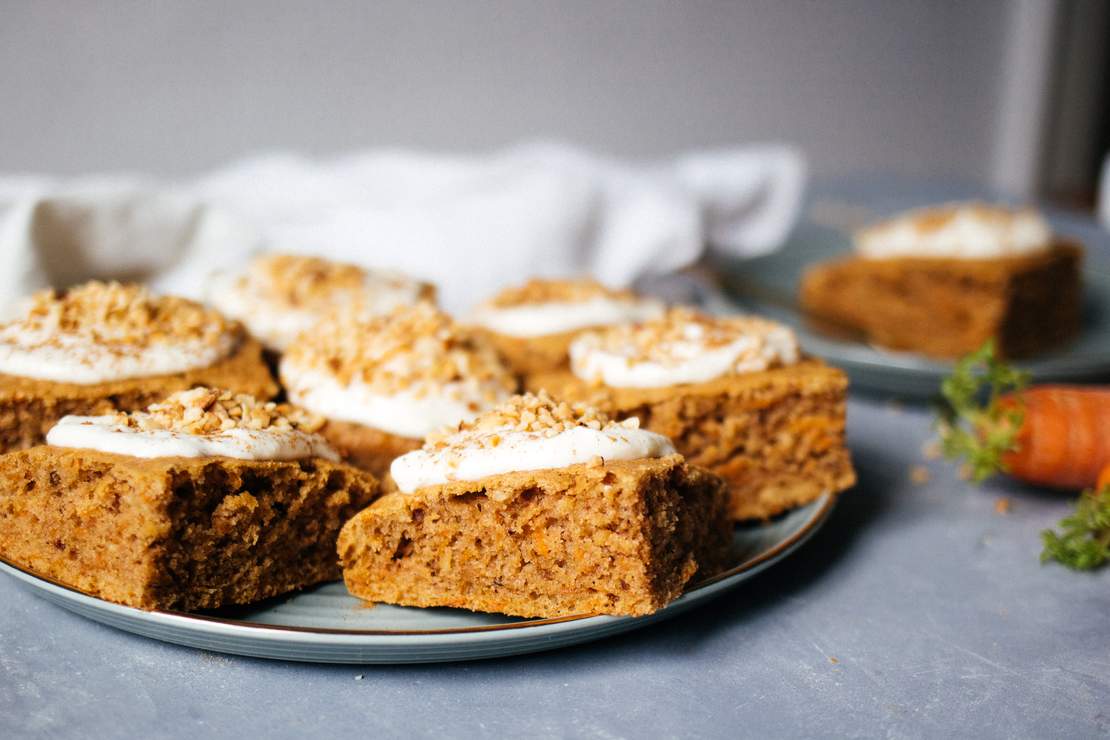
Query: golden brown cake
{"points": [[532, 325], [768, 421], [180, 532], [97, 331], [383, 382], [279, 296], [606, 536], [943, 302]]}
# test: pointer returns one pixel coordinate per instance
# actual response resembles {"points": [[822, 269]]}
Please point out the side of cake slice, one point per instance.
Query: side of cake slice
{"points": [[205, 500], [539, 509]]}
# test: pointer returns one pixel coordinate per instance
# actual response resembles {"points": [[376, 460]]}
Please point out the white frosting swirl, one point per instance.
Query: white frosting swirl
{"points": [[248, 298], [957, 231], [74, 358], [681, 348], [475, 456], [557, 317], [410, 413], [107, 434]]}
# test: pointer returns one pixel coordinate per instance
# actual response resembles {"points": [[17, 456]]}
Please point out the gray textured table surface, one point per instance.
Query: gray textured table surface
{"points": [[918, 611]]}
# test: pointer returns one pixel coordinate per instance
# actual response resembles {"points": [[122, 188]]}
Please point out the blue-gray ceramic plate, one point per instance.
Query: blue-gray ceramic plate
{"points": [[769, 286], [328, 625]]}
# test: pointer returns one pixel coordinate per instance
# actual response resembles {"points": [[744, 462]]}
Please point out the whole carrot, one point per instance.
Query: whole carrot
{"points": [[1049, 435]]}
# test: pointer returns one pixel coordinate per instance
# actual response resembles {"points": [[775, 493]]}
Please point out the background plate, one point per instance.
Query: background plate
{"points": [[328, 625], [769, 285]]}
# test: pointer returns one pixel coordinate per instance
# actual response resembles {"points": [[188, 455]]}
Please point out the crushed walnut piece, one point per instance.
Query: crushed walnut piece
{"points": [[682, 335], [407, 349], [538, 290], [205, 411], [314, 283], [538, 414], [117, 314]]}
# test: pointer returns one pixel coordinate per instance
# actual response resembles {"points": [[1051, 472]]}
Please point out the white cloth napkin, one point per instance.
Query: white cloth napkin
{"points": [[469, 224]]}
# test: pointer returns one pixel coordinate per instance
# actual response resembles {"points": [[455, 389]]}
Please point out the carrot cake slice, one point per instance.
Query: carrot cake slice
{"points": [[278, 296], [206, 499], [944, 280], [383, 382], [539, 509], [533, 325], [734, 394], [100, 347]]}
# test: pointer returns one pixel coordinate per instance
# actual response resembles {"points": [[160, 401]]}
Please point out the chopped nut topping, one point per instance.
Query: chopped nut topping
{"points": [[118, 314], [537, 290], [529, 413], [682, 334], [410, 348], [316, 283], [206, 411]]}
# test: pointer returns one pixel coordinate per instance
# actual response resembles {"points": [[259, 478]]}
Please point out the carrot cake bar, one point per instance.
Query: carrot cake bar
{"points": [[533, 325], [944, 280], [734, 394], [100, 347], [278, 296], [539, 509], [206, 499], [384, 382]]}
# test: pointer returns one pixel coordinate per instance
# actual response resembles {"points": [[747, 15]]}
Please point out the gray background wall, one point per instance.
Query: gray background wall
{"points": [[173, 87]]}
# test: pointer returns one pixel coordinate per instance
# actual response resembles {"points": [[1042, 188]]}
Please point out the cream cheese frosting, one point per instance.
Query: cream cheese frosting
{"points": [[280, 296], [957, 231], [408, 372], [200, 422], [546, 307], [682, 346], [525, 433], [102, 332]]}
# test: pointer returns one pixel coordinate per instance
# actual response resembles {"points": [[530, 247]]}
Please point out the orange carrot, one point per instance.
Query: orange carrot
{"points": [[1050, 435], [1064, 438]]}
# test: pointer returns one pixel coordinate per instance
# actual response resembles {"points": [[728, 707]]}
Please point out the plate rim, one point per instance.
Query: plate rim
{"points": [[255, 630]]}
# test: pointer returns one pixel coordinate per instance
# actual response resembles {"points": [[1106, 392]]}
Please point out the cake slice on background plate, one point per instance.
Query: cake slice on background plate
{"points": [[539, 509], [942, 281]]}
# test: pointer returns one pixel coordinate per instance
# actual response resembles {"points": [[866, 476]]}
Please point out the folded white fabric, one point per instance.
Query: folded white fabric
{"points": [[469, 224]]}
